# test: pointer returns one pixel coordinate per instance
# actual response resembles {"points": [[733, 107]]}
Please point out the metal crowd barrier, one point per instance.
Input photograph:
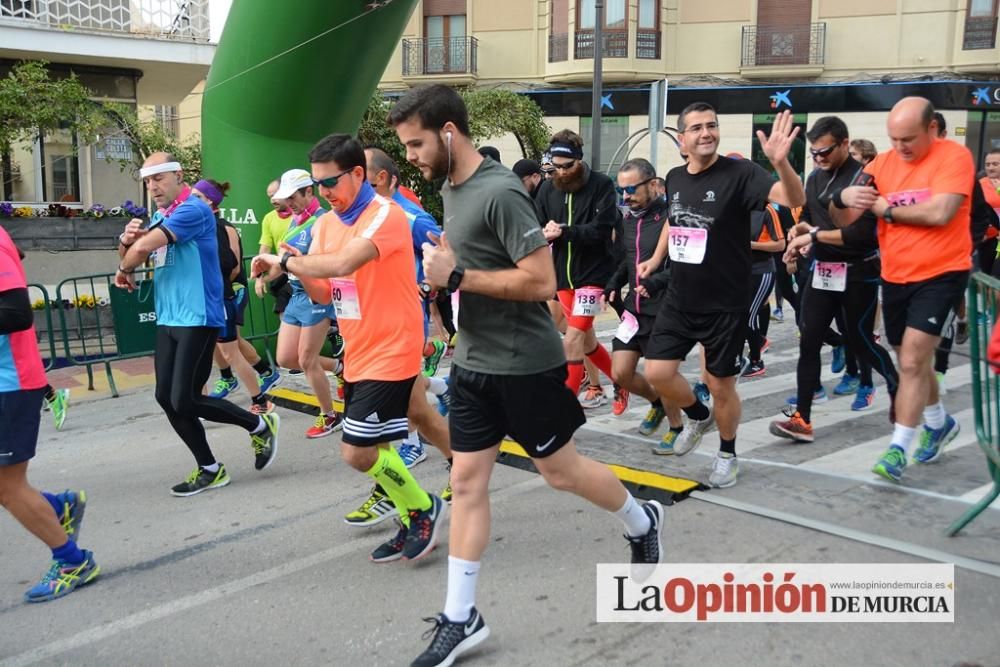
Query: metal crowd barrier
{"points": [[983, 301], [124, 326]]}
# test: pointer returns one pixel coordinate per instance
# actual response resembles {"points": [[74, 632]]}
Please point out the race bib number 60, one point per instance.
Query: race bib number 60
{"points": [[587, 302], [345, 299], [687, 244]]}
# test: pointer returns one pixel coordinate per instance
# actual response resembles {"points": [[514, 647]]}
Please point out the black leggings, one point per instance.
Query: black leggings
{"points": [[443, 301], [183, 362], [857, 304], [760, 289]]}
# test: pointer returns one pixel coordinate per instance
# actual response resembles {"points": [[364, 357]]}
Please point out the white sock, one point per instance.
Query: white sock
{"points": [[412, 439], [261, 425], [462, 577], [934, 415], [902, 437], [212, 468], [636, 520], [437, 386]]}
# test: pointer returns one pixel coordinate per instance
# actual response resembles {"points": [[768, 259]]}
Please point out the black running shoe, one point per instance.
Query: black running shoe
{"points": [[265, 443], [392, 549], [451, 639], [201, 480], [423, 533], [646, 548]]}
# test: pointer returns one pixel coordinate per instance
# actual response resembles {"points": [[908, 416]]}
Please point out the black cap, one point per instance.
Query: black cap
{"points": [[526, 167], [490, 152]]}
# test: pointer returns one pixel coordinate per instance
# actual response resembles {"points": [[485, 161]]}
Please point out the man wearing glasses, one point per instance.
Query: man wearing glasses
{"points": [[361, 259], [578, 211], [304, 323], [710, 203], [641, 227], [844, 278]]}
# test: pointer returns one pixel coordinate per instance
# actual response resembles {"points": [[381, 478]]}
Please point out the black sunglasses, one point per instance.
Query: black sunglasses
{"points": [[565, 165], [630, 189], [331, 181], [822, 152]]}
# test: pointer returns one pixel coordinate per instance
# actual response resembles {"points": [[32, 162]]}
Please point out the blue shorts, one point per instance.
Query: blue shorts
{"points": [[302, 312], [20, 415], [235, 307]]}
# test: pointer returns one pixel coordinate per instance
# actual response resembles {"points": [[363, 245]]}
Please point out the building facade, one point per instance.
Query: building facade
{"points": [[750, 58], [143, 53]]}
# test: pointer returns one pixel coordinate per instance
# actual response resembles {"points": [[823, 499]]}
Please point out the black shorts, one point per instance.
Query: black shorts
{"points": [[235, 308], [375, 411], [537, 410], [721, 334], [640, 340], [928, 305], [20, 414]]}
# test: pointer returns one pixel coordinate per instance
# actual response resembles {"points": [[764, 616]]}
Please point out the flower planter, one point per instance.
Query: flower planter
{"points": [[65, 233]]}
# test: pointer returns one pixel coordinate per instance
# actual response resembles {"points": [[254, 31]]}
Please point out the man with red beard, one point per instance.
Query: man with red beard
{"points": [[578, 211]]}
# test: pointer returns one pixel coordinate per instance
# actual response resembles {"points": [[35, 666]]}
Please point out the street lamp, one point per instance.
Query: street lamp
{"points": [[595, 113]]}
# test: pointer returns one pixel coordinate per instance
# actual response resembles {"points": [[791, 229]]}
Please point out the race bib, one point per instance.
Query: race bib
{"points": [[908, 197], [830, 276], [587, 301], [160, 256], [628, 328], [345, 299], [687, 244]]}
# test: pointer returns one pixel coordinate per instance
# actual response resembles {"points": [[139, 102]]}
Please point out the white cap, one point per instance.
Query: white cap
{"points": [[291, 181]]}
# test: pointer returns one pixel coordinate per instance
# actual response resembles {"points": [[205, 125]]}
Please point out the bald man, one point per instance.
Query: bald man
{"points": [[921, 194]]}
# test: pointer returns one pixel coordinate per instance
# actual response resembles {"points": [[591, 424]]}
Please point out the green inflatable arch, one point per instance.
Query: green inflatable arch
{"points": [[284, 76]]}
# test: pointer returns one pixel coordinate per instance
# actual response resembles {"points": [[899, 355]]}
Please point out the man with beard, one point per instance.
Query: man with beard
{"points": [[578, 211], [711, 200], [509, 372], [530, 173], [640, 232]]}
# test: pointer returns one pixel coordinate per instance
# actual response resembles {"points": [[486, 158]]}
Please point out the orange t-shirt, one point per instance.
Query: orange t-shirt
{"points": [[912, 253], [379, 309], [993, 199]]}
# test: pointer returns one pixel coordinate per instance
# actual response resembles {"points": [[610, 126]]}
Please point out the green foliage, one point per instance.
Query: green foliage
{"points": [[492, 113], [31, 100], [149, 136]]}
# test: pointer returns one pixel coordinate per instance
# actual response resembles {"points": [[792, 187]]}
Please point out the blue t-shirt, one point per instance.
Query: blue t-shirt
{"points": [[421, 222], [187, 279], [301, 240]]}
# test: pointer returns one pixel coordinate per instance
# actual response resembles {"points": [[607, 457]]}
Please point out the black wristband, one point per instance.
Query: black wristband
{"points": [[836, 199], [455, 279], [284, 261], [121, 270], [122, 243]]}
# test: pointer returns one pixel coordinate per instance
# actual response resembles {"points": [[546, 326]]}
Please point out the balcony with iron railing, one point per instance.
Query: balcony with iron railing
{"points": [[793, 49], [615, 44], [451, 58], [181, 20]]}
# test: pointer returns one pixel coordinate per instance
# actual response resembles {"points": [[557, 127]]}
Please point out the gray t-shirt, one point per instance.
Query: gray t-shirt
{"points": [[491, 225]]}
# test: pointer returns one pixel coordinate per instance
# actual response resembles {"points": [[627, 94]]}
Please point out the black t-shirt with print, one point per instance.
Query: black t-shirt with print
{"points": [[719, 199]]}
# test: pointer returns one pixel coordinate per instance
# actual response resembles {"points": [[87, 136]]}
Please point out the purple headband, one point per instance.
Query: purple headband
{"points": [[214, 195]]}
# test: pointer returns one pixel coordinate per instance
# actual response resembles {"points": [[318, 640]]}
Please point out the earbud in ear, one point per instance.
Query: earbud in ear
{"points": [[447, 135]]}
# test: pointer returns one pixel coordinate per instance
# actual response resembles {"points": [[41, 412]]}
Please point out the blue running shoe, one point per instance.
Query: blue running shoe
{"points": [[64, 578], [701, 392], [412, 454], [892, 464], [863, 399], [818, 397], [269, 381], [848, 385], [224, 387], [932, 442], [444, 400], [839, 360], [653, 419], [666, 446]]}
